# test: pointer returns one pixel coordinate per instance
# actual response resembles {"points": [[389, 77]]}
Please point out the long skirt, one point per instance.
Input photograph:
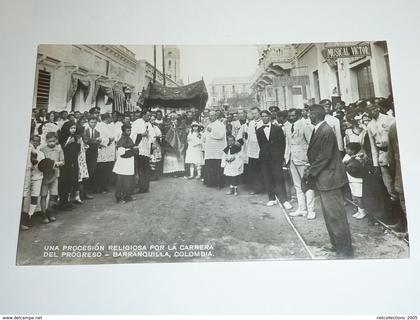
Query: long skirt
{"points": [[213, 173], [124, 186]]}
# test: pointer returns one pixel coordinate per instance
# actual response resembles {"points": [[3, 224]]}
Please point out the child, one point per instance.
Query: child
{"points": [[124, 165], [83, 175], [232, 164], [30, 162], [194, 155], [353, 161], [52, 151], [36, 176]]}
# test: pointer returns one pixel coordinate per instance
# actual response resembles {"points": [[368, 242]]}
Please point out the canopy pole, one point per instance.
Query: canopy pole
{"points": [[154, 63], [163, 65]]}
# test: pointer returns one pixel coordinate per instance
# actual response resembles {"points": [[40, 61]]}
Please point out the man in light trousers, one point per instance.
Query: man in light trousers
{"points": [[298, 135]]}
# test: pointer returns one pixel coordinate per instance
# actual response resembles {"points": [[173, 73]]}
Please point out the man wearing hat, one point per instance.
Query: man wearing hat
{"points": [[378, 130], [327, 170], [333, 122]]}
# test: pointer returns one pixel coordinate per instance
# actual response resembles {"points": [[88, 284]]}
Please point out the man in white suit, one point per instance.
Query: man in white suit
{"points": [[298, 134]]}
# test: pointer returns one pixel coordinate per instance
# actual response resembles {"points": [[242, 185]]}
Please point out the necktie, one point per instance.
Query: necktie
{"points": [[91, 134], [293, 127], [312, 136]]}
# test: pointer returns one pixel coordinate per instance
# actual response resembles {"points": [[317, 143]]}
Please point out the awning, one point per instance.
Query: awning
{"points": [[75, 81], [192, 95]]}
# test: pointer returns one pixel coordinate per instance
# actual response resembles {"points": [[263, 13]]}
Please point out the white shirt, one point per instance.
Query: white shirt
{"points": [[267, 130], [334, 123], [253, 149], [140, 127], [318, 125], [104, 132]]}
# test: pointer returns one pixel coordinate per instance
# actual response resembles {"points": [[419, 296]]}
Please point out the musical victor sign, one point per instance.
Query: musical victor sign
{"points": [[361, 50]]}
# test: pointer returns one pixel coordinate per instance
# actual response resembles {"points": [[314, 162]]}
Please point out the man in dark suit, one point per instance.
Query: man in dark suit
{"points": [[327, 171], [272, 143], [91, 137]]}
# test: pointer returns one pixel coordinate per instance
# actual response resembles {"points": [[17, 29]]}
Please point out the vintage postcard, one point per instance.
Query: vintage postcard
{"points": [[179, 153]]}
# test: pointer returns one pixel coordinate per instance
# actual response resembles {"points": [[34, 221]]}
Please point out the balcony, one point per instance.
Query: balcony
{"points": [[275, 61], [278, 57]]}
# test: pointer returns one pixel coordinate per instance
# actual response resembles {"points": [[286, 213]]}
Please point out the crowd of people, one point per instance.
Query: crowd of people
{"points": [[291, 155]]}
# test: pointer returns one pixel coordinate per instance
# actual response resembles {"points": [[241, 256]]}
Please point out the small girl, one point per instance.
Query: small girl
{"points": [[354, 167], [194, 155], [81, 159], [233, 164]]}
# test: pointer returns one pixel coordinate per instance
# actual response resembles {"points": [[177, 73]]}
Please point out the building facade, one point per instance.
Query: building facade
{"points": [[79, 77], [272, 83], [224, 88], [292, 75]]}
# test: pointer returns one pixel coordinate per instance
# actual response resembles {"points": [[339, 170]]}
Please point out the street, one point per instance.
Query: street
{"points": [[179, 213]]}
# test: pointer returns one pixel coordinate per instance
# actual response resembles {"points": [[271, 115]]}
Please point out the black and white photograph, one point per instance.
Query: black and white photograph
{"points": [[189, 153]]}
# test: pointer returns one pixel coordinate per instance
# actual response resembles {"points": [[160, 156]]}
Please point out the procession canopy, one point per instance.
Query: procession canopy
{"points": [[192, 95]]}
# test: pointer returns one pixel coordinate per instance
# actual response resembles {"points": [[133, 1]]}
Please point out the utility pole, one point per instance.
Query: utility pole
{"points": [[163, 65], [154, 63]]}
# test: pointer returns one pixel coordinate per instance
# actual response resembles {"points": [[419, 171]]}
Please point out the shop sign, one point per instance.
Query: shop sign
{"points": [[281, 81], [361, 50]]}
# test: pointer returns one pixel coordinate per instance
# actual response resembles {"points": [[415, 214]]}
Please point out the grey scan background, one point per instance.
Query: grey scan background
{"points": [[303, 287]]}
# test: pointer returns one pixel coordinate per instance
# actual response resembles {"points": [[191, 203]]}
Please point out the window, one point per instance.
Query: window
{"points": [[233, 88], [364, 81], [107, 68], [223, 89], [296, 91], [169, 63], [43, 89]]}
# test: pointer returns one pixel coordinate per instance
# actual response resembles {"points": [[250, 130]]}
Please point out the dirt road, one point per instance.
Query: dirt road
{"points": [[182, 220]]}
